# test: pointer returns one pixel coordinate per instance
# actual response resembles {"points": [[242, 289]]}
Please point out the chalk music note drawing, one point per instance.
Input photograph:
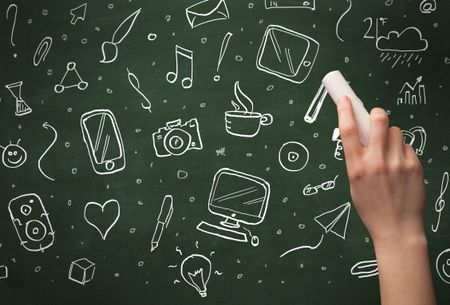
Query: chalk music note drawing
{"points": [[439, 204], [184, 57]]}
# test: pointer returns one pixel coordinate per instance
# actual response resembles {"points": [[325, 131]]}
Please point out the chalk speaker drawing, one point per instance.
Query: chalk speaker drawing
{"points": [[102, 217], [196, 271], [31, 221], [287, 54], [103, 141], [207, 11], [240, 198]]}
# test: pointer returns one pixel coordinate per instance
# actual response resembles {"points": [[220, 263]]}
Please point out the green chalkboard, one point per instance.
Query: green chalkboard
{"points": [[151, 146]]}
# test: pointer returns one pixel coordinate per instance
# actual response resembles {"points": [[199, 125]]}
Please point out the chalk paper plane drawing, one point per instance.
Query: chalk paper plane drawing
{"points": [[334, 221], [427, 6], [16, 91], [110, 49], [185, 58], [134, 82], [340, 19], [165, 214], [81, 271], [443, 265], [46, 125], [365, 269], [241, 199], [42, 50], [416, 137], [196, 271], [13, 27], [339, 149], [439, 204], [309, 190], [243, 121], [75, 79], [103, 140], [13, 155], [207, 11], [3, 272], [102, 217], [286, 54], [316, 105], [223, 49], [177, 138], [293, 156], [412, 94], [78, 13], [31, 222], [308, 4]]}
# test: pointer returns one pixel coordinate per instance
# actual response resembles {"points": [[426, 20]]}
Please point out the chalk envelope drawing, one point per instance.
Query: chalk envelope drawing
{"points": [[243, 121], [207, 11], [110, 49], [102, 217], [31, 222], [365, 269], [196, 271], [16, 91], [240, 198], [42, 50], [293, 156], [408, 40], [176, 138], [412, 94], [182, 56], [308, 4], [81, 271], [287, 54], [78, 13], [72, 74], [13, 155], [443, 265], [103, 141], [416, 137]]}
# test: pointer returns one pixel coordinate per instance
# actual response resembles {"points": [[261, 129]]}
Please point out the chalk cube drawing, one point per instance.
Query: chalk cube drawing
{"points": [[3, 272], [81, 271]]}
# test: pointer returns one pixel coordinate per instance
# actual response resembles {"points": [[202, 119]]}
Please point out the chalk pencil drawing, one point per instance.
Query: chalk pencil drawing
{"points": [[102, 217], [110, 49], [223, 49], [55, 137], [78, 13], [289, 4], [439, 204], [316, 105], [286, 54], [42, 50], [185, 58], [339, 149], [240, 198], [309, 190], [427, 6], [3, 272], [134, 82], [22, 107], [412, 94], [71, 68], [364, 269], [13, 155], [243, 121], [176, 138], [103, 140], [416, 137], [293, 156], [207, 11], [196, 271], [443, 265], [334, 221], [81, 271], [12, 6], [165, 214], [340, 19], [31, 222]]}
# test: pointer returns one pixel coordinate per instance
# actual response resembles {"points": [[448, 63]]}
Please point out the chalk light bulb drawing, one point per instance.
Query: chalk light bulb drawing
{"points": [[196, 270]]}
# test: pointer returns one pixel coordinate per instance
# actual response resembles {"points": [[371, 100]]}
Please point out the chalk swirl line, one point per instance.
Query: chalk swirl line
{"points": [[46, 125], [12, 5], [303, 247], [134, 82], [340, 18]]}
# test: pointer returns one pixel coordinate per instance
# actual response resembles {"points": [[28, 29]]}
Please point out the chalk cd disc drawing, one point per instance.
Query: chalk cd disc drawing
{"points": [[293, 156]]}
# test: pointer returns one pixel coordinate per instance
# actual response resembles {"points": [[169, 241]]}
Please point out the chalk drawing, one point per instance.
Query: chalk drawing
{"points": [[78, 13], [316, 105], [416, 137], [365, 269], [71, 68], [81, 271], [55, 137], [340, 19], [134, 82], [293, 156], [339, 149], [207, 11], [412, 94], [16, 91], [223, 49], [42, 50], [308, 190], [286, 4], [427, 6], [94, 210], [184, 56], [196, 271], [443, 266], [439, 204], [3, 272], [165, 214], [13, 155], [12, 6]]}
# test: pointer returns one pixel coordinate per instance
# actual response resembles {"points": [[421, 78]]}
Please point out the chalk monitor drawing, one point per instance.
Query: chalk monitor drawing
{"points": [[207, 11], [240, 198], [103, 141]]}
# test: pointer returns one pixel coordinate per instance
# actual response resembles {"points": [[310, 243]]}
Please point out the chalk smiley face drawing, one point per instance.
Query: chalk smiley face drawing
{"points": [[13, 155]]}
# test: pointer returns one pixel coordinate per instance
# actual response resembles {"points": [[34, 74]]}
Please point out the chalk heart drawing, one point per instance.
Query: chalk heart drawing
{"points": [[102, 217]]}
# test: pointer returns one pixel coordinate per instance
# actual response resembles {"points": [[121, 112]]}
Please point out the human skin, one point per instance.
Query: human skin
{"points": [[388, 192]]}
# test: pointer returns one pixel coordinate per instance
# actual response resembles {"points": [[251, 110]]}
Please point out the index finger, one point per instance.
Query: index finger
{"points": [[348, 129]]}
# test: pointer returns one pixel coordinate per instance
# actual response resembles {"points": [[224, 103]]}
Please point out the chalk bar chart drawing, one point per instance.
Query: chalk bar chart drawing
{"points": [[412, 94], [207, 11]]}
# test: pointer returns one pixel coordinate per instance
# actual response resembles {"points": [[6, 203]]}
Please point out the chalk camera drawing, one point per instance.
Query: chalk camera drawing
{"points": [[176, 138]]}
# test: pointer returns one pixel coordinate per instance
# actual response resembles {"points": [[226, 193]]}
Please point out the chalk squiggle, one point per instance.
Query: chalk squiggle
{"points": [[303, 247], [340, 18], [47, 126]]}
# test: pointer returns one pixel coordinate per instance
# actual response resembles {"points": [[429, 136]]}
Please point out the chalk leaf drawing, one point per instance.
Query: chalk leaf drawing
{"points": [[443, 265], [55, 136], [32, 222], [13, 155], [16, 91], [207, 11], [75, 79], [81, 271], [196, 271], [293, 156], [287, 54], [412, 94], [365, 269], [102, 217], [416, 137], [183, 58]]}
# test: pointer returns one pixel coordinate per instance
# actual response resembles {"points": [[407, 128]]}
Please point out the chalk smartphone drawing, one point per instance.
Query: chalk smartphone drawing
{"points": [[274, 4], [439, 204], [13, 155], [185, 59], [416, 137], [102, 217], [286, 54], [412, 94], [103, 141], [243, 121], [207, 11], [22, 107], [293, 156], [3, 272], [365, 269], [165, 214], [240, 198], [443, 266], [81, 271], [75, 79], [196, 271], [32, 222]]}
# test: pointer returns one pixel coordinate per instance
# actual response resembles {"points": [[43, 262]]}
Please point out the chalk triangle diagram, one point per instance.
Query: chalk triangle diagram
{"points": [[331, 220]]}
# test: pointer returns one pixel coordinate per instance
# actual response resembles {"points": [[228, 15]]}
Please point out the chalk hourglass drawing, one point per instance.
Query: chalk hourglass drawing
{"points": [[16, 90]]}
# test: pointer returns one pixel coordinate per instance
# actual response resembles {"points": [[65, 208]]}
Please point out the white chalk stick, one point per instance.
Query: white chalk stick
{"points": [[337, 86]]}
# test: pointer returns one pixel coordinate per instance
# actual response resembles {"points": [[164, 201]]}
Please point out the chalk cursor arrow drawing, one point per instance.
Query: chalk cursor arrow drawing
{"points": [[46, 125], [78, 13]]}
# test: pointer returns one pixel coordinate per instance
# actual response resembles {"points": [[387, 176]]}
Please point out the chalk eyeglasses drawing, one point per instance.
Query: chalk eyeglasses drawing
{"points": [[309, 190], [184, 62], [102, 217]]}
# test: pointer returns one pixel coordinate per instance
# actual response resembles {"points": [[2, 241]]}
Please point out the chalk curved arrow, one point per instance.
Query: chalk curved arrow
{"points": [[46, 125]]}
